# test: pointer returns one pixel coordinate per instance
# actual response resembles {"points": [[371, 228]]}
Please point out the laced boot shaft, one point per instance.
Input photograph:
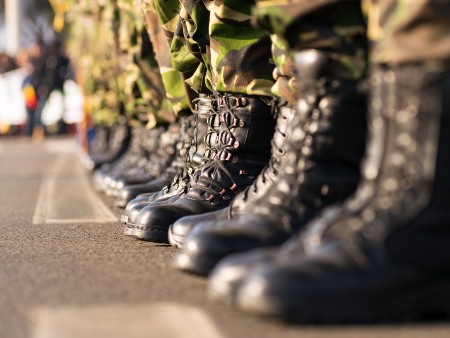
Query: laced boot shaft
{"points": [[158, 151], [387, 252], [148, 160], [403, 176], [223, 284], [243, 149], [244, 136], [155, 161], [330, 222], [243, 202], [163, 164], [109, 171], [148, 147], [118, 141], [321, 167], [159, 165], [197, 149], [203, 143], [324, 155], [132, 167], [186, 132], [99, 144], [134, 152]]}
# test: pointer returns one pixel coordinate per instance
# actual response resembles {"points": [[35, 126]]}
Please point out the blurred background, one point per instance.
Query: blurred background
{"points": [[39, 95]]}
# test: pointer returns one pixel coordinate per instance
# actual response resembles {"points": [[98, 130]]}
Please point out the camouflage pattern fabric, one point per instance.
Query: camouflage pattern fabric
{"points": [[241, 59], [217, 49], [190, 47], [140, 78], [116, 63], [93, 46], [161, 18], [283, 74], [409, 30], [336, 27]]}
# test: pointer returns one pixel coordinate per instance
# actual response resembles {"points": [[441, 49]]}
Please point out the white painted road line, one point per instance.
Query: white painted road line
{"points": [[60, 146], [66, 195], [159, 320]]}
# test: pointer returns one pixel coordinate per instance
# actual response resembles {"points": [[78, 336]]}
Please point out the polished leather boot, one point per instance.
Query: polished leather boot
{"points": [[118, 140], [179, 132], [99, 143], [245, 201], [157, 157], [133, 165], [199, 147], [322, 163], [387, 256], [104, 174], [244, 136], [163, 162], [156, 150]]}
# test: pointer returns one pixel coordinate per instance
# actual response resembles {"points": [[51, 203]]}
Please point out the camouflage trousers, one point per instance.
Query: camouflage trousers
{"points": [[160, 21], [407, 31], [217, 48], [335, 27], [140, 81], [401, 31]]}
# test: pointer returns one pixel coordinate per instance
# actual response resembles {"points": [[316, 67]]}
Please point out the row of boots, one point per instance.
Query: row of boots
{"points": [[287, 210]]}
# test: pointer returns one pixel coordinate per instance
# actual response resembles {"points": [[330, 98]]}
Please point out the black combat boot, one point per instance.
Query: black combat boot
{"points": [[133, 165], [321, 167], [199, 147], [245, 201], [156, 150], [244, 136], [387, 255], [117, 140], [104, 174], [163, 162], [99, 144], [127, 185], [177, 137]]}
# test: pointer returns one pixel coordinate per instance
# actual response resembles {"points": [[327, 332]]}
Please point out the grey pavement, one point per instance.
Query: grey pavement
{"points": [[67, 271]]}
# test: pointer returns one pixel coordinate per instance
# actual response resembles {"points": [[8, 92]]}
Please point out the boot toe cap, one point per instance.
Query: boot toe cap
{"points": [[226, 277], [153, 222], [123, 197], [184, 226], [133, 213]]}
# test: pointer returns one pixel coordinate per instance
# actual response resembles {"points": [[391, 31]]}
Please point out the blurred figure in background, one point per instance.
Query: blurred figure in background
{"points": [[33, 89], [48, 69]]}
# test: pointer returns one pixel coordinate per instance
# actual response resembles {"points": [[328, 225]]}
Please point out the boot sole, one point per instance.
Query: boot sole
{"points": [[430, 302], [124, 218], [154, 234]]}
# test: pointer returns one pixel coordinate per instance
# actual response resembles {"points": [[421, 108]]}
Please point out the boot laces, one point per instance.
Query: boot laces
{"points": [[275, 159], [204, 180]]}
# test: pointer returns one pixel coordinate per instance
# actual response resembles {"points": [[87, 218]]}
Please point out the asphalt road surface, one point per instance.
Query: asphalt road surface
{"points": [[67, 271]]}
